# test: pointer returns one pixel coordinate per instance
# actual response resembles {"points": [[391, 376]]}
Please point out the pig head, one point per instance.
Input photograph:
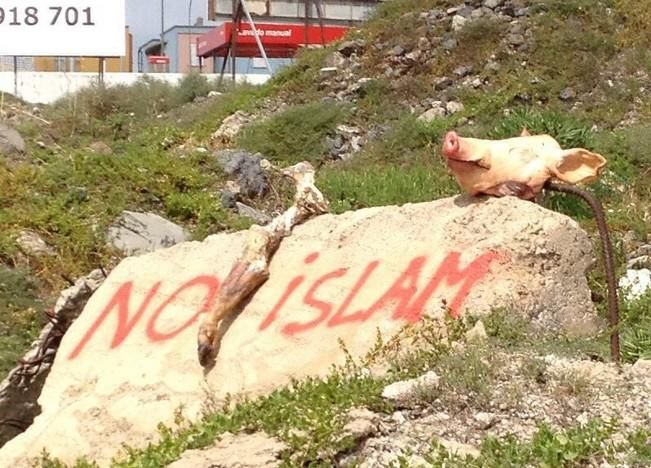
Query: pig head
{"points": [[517, 166]]}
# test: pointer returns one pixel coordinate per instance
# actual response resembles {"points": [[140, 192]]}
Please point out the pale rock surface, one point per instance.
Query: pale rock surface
{"points": [[11, 143], [32, 244], [235, 451], [137, 233], [406, 391], [635, 283], [231, 126], [129, 361]]}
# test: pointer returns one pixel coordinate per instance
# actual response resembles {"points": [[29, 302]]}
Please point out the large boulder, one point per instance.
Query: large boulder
{"points": [[130, 359], [11, 143], [137, 233]]}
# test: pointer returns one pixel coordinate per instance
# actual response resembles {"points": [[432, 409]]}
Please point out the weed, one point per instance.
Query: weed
{"points": [[297, 134], [576, 446], [636, 328]]}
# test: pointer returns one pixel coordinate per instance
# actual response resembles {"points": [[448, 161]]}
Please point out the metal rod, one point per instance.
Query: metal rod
{"points": [[255, 34], [162, 27], [15, 76], [190, 36], [607, 253]]}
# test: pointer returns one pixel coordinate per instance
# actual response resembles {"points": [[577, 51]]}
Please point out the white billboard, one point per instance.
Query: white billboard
{"points": [[62, 27]]}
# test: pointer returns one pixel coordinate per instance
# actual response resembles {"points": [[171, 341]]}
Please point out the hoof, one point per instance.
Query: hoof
{"points": [[206, 355]]}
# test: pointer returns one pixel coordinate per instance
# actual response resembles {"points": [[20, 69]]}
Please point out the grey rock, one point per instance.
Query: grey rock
{"points": [[397, 51], [492, 4], [442, 83], [408, 390], [138, 233], [99, 147], [348, 48], [11, 143], [463, 71], [568, 94], [362, 423], [639, 263], [492, 67], [228, 199], [516, 39], [449, 44], [32, 244], [258, 216], [235, 451], [484, 420], [629, 238], [246, 167], [636, 283], [465, 12], [453, 107], [434, 113], [327, 72], [458, 22]]}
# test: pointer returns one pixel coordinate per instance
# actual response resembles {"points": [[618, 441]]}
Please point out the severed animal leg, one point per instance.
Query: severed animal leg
{"points": [[252, 268]]}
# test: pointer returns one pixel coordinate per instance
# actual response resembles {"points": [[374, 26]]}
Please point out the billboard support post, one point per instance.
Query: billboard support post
{"points": [[15, 76]]}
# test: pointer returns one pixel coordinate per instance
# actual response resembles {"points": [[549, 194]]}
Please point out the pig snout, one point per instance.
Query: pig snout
{"points": [[451, 145]]}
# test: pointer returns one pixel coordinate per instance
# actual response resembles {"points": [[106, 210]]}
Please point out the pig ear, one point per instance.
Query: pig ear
{"points": [[579, 165], [525, 132]]}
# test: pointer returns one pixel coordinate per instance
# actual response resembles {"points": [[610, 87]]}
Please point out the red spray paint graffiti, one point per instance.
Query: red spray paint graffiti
{"points": [[403, 298]]}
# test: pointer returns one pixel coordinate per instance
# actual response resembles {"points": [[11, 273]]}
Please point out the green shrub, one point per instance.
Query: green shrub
{"points": [[191, 86], [297, 134]]}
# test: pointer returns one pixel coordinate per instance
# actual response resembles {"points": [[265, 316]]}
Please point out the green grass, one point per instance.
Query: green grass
{"points": [[297, 134], [21, 315], [580, 445]]}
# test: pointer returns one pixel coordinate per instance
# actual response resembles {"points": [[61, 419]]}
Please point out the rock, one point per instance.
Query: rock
{"points": [[424, 44], [229, 199], [642, 251], [213, 93], [99, 147], [641, 368], [477, 333], [256, 215], [452, 107], [348, 48], [492, 67], [235, 451], [361, 424], [442, 83], [458, 22], [515, 40], [449, 44], [407, 391], [461, 450], [432, 114], [231, 126], [327, 72], [639, 263], [11, 143], [138, 233], [32, 244], [484, 420], [246, 166], [397, 51], [636, 282], [22, 387], [567, 94], [463, 71], [129, 361], [492, 4]]}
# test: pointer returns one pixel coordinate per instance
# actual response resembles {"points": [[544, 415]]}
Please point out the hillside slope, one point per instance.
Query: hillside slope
{"points": [[369, 112]]}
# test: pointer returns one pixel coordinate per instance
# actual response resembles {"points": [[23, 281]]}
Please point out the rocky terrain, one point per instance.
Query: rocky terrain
{"points": [[111, 173]]}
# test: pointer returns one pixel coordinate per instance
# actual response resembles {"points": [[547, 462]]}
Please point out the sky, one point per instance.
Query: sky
{"points": [[144, 18]]}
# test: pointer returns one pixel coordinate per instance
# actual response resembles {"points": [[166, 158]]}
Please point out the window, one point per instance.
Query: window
{"points": [[258, 62]]}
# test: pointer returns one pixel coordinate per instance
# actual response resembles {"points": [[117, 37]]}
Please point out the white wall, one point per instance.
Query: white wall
{"points": [[47, 87]]}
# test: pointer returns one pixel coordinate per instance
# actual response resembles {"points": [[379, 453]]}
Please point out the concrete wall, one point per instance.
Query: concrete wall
{"points": [[43, 87]]}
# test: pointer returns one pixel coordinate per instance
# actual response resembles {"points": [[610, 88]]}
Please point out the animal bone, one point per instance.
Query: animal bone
{"points": [[252, 268], [517, 166]]}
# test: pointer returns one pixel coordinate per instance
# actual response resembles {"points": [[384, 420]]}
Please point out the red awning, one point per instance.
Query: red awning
{"points": [[279, 40]]}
